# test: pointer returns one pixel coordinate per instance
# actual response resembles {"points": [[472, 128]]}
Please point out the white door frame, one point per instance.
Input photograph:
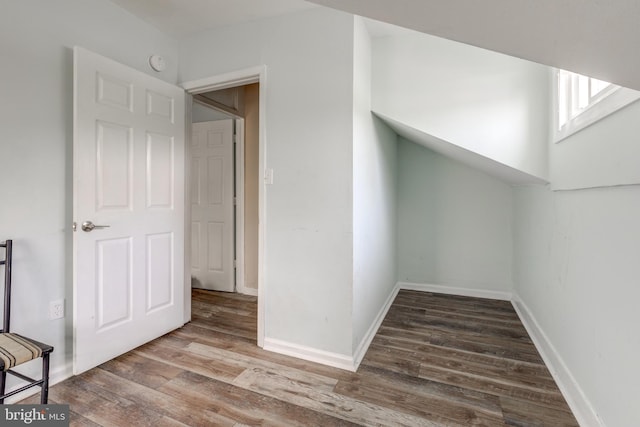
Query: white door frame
{"points": [[223, 81]]}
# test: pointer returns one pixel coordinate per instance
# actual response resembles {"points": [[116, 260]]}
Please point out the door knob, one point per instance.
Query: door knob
{"points": [[89, 226]]}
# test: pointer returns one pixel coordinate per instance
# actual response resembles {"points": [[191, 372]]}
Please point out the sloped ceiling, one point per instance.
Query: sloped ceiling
{"points": [[489, 166], [599, 38]]}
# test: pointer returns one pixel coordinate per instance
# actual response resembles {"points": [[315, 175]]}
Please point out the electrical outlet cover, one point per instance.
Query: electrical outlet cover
{"points": [[56, 309]]}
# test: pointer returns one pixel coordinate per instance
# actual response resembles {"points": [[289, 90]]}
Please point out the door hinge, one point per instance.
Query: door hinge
{"points": [[235, 200], [235, 138], [235, 263]]}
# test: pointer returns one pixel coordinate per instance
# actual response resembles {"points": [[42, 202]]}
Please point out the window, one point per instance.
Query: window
{"points": [[582, 101]]}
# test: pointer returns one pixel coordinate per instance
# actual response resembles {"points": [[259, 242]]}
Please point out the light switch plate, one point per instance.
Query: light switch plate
{"points": [[268, 176]]}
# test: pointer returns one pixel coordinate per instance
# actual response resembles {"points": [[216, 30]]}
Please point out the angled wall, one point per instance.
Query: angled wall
{"points": [[485, 102]]}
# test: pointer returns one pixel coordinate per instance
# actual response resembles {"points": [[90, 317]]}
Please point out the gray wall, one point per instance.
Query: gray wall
{"points": [[454, 223]]}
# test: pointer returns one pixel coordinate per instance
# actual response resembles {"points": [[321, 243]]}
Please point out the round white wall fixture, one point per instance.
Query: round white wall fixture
{"points": [[157, 62]]}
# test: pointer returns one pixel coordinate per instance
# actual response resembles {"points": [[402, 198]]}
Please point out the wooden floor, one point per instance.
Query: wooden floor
{"points": [[436, 360]]}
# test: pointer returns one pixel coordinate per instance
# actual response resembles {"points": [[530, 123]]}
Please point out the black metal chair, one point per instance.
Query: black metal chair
{"points": [[16, 349]]}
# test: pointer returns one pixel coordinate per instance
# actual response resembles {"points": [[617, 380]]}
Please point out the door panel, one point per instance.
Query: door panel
{"points": [[212, 210], [129, 175], [113, 299], [114, 166], [159, 271], [215, 248], [160, 171]]}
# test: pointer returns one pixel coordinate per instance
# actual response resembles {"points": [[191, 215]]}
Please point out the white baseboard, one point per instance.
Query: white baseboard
{"points": [[336, 360], [351, 363], [371, 333], [55, 376], [571, 390], [453, 290], [248, 291]]}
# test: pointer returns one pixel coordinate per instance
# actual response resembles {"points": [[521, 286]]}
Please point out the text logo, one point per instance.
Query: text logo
{"points": [[35, 415]]}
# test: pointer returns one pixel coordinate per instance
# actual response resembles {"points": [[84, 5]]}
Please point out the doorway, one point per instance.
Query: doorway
{"points": [[224, 189], [238, 97]]}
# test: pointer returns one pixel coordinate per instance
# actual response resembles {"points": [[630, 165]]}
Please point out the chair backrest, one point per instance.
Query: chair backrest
{"points": [[6, 314]]}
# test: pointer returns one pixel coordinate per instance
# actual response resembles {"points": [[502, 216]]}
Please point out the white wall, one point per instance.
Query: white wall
{"points": [[485, 102], [454, 223], [309, 132], [374, 198], [36, 77], [605, 153], [576, 268], [577, 273]]}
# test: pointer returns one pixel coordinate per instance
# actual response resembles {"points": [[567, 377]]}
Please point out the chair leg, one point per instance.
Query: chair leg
{"points": [[44, 393], [3, 379]]}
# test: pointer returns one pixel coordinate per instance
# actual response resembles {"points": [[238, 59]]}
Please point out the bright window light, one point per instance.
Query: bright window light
{"points": [[582, 101], [576, 93]]}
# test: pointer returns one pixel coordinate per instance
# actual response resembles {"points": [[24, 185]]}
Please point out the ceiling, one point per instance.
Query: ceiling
{"points": [[599, 38], [184, 17]]}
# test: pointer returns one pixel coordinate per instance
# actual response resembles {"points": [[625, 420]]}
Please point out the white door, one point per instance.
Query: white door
{"points": [[128, 174], [212, 206]]}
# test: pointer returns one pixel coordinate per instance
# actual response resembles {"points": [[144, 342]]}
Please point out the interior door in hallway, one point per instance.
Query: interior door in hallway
{"points": [[212, 206], [129, 204]]}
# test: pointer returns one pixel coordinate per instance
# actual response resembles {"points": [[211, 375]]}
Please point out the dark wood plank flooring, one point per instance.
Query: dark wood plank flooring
{"points": [[437, 360]]}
